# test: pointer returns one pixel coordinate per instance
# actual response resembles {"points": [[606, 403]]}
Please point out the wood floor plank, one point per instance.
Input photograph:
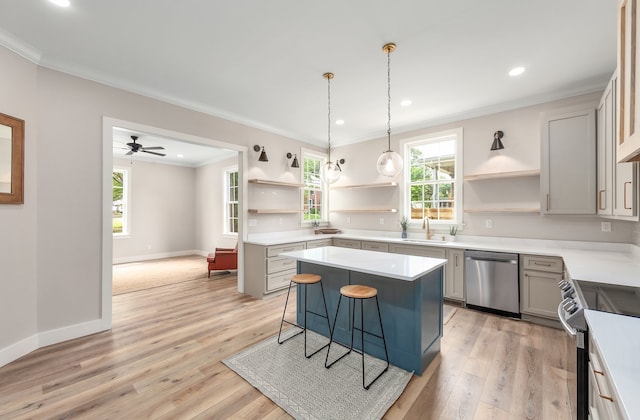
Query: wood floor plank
{"points": [[163, 360]]}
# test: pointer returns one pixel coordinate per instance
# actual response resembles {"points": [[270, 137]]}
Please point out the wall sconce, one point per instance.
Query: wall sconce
{"points": [[497, 142], [340, 162], [295, 163], [263, 155]]}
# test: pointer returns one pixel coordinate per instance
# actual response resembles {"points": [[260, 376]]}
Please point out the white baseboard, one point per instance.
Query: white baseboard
{"points": [[47, 338], [158, 256], [17, 350]]}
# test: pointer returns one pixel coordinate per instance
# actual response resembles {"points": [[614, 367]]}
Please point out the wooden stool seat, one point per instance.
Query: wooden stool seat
{"points": [[358, 291], [306, 278]]}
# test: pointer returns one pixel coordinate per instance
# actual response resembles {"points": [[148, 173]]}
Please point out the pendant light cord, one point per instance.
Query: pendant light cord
{"points": [[389, 100], [329, 115]]}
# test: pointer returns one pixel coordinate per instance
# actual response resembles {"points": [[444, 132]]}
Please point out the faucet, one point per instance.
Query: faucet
{"points": [[425, 225]]}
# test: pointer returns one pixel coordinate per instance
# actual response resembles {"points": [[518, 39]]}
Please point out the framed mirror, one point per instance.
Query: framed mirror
{"points": [[11, 160]]}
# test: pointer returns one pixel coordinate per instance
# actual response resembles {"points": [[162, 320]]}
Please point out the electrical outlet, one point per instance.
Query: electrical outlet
{"points": [[253, 222], [488, 223], [605, 226], [348, 219], [280, 220], [382, 220]]}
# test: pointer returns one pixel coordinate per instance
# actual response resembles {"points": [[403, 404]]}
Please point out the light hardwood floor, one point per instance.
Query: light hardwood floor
{"points": [[162, 359]]}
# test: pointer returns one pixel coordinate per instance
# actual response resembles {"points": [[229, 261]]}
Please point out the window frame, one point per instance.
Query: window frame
{"points": [[458, 195], [126, 194], [324, 189], [226, 216]]}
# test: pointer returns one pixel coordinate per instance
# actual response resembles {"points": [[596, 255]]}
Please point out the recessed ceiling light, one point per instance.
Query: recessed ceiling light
{"points": [[61, 3], [180, 156], [339, 122], [406, 102], [516, 71]]}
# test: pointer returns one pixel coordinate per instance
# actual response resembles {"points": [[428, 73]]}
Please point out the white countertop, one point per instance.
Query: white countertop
{"points": [[618, 339], [397, 266]]}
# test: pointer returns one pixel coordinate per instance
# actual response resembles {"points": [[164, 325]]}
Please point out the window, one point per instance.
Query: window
{"points": [[433, 178], [120, 207], [313, 196], [231, 201]]}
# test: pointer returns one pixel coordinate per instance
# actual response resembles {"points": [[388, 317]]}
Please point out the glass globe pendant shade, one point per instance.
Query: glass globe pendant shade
{"points": [[330, 172], [390, 163]]}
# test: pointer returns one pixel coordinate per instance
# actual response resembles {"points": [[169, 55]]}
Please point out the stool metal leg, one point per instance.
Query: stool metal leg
{"points": [[384, 342], [286, 302], [303, 329], [333, 330]]}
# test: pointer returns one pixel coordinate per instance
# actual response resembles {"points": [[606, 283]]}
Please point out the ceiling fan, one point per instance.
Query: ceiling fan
{"points": [[137, 147]]}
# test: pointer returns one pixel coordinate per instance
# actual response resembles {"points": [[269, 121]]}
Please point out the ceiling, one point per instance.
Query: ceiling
{"points": [[261, 62]]}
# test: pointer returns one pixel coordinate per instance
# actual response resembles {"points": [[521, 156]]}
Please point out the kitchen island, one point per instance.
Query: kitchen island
{"points": [[410, 292]]}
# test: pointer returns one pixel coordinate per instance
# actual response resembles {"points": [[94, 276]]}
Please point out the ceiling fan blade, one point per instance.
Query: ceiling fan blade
{"points": [[129, 153], [154, 153], [154, 148]]}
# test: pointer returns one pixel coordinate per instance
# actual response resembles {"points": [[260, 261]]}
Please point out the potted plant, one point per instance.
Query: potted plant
{"points": [[453, 230], [404, 223]]}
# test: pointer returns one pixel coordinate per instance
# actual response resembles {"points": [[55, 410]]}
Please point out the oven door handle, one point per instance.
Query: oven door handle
{"points": [[570, 330]]}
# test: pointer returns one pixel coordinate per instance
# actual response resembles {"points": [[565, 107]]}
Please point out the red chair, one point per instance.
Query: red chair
{"points": [[223, 259]]}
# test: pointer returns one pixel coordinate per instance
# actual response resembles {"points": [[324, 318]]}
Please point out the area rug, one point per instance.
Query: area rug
{"points": [[305, 389]]}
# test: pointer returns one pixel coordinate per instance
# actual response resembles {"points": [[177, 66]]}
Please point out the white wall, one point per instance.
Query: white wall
{"points": [[522, 152], [209, 212], [161, 212], [18, 223]]}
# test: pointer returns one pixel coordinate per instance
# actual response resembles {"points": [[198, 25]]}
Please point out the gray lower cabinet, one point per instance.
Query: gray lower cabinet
{"points": [[539, 293], [454, 275], [419, 250], [319, 243], [265, 270]]}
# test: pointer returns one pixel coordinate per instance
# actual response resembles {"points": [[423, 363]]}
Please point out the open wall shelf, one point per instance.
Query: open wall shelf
{"points": [[501, 175]]}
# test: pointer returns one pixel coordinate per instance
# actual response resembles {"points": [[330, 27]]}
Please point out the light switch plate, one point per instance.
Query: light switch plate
{"points": [[605, 226], [488, 223]]}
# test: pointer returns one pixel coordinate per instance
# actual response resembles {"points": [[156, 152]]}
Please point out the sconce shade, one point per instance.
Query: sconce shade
{"points": [[263, 156], [497, 143], [390, 163], [295, 163]]}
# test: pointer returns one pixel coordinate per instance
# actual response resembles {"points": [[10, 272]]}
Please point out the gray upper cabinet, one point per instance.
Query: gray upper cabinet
{"points": [[568, 161]]}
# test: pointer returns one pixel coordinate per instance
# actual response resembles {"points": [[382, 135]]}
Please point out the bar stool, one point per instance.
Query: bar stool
{"points": [[358, 292], [305, 280]]}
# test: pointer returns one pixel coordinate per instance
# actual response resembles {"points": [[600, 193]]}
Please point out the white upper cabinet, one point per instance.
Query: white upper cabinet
{"points": [[568, 161], [628, 149]]}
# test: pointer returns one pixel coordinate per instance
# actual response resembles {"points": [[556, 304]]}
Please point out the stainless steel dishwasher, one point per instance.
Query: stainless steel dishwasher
{"points": [[492, 282]]}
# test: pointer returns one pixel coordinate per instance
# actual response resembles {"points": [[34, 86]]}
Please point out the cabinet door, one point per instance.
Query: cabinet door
{"points": [[539, 293], [605, 150], [568, 175], [420, 251], [347, 243], [628, 149], [375, 246], [318, 244], [454, 275]]}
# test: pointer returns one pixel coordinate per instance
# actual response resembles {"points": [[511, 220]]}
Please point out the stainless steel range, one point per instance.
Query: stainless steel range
{"points": [[578, 296]]}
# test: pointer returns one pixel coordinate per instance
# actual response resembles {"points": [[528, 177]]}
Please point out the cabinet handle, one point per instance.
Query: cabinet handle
{"points": [[547, 202], [456, 259], [600, 200], [625, 195], [600, 394], [542, 264]]}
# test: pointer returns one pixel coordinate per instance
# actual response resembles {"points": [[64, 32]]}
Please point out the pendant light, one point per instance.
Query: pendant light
{"points": [[330, 171], [389, 163]]}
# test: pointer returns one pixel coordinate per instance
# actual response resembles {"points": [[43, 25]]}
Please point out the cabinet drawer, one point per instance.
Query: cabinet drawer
{"points": [[279, 280], [278, 264], [375, 246], [347, 243], [420, 251], [273, 251], [318, 244], [534, 262]]}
